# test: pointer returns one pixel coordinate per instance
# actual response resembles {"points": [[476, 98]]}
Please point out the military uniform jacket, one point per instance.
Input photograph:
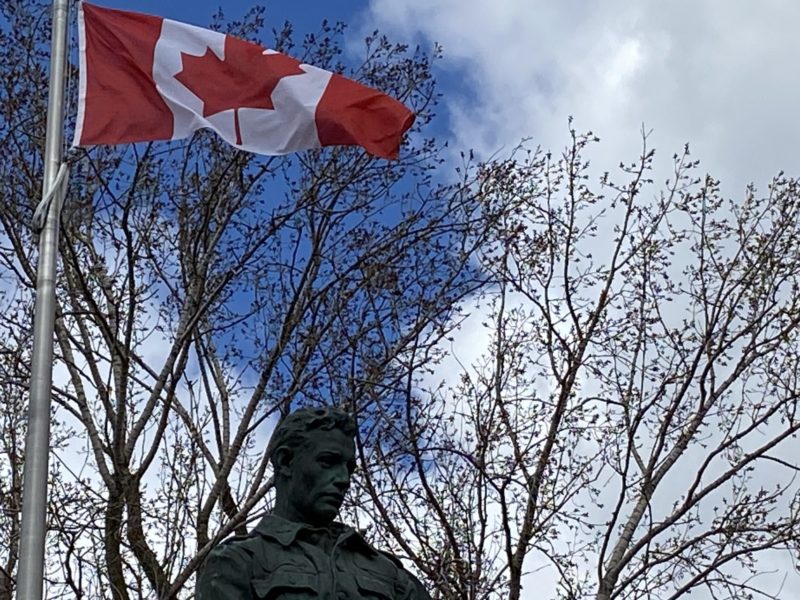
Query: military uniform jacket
{"points": [[284, 560]]}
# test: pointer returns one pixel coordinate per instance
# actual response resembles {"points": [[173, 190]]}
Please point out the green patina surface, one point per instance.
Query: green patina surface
{"points": [[299, 551]]}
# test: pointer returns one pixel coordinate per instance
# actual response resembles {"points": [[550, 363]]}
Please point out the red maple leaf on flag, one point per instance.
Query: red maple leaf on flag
{"points": [[244, 79]]}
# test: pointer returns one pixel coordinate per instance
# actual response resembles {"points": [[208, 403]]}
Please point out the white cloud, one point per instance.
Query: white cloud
{"points": [[718, 74]]}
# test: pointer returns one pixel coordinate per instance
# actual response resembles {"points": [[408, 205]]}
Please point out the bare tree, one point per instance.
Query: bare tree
{"points": [[631, 422], [11, 458], [205, 291]]}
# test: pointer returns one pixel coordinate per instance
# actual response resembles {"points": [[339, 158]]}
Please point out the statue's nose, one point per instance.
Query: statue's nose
{"points": [[342, 478]]}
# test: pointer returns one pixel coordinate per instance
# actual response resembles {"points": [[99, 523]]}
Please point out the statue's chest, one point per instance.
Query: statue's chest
{"points": [[324, 572]]}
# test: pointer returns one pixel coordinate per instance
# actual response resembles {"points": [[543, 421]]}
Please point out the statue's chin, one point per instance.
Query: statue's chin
{"points": [[323, 516]]}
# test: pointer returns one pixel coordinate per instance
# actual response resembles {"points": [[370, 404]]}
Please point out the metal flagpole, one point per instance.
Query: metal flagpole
{"points": [[30, 579]]}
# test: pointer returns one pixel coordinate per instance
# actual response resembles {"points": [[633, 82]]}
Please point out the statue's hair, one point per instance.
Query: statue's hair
{"points": [[292, 429]]}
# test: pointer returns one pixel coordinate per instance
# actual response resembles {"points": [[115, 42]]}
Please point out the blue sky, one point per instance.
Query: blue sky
{"points": [[306, 16]]}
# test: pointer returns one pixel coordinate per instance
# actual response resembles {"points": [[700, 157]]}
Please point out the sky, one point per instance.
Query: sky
{"points": [[720, 75]]}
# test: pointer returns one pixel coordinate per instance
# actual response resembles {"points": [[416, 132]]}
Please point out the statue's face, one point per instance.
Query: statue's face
{"points": [[320, 476]]}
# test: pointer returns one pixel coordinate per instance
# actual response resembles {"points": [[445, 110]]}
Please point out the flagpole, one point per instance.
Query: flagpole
{"points": [[30, 578]]}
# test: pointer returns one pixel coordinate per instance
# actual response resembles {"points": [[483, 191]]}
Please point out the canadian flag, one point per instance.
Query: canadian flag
{"points": [[146, 78]]}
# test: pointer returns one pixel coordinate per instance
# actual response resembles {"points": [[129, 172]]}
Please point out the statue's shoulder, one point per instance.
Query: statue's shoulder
{"points": [[392, 558], [408, 580], [227, 570], [237, 541], [240, 552], [236, 551]]}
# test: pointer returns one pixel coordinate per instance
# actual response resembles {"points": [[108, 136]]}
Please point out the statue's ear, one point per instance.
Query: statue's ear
{"points": [[283, 461]]}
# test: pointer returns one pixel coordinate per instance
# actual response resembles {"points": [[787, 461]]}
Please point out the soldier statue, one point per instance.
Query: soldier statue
{"points": [[299, 551]]}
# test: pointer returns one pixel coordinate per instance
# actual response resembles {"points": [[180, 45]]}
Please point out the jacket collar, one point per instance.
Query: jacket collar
{"points": [[285, 532]]}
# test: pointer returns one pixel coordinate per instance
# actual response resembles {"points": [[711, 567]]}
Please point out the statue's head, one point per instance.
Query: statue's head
{"points": [[313, 453]]}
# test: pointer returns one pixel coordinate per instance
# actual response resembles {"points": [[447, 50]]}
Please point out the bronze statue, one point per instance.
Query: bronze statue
{"points": [[299, 551]]}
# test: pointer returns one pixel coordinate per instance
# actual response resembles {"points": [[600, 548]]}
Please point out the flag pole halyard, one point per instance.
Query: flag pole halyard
{"points": [[30, 578]]}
